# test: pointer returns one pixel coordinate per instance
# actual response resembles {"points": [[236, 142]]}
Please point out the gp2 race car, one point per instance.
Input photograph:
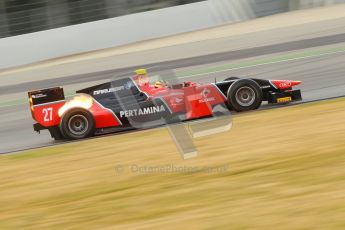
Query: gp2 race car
{"points": [[134, 102]]}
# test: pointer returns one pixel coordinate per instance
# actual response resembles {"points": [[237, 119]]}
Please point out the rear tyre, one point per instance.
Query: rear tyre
{"points": [[77, 124], [244, 95]]}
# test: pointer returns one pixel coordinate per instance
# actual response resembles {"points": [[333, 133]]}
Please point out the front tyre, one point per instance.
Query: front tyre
{"points": [[77, 124], [231, 78], [244, 95]]}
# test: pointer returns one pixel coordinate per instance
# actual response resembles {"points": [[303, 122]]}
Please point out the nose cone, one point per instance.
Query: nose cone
{"points": [[293, 83], [285, 84]]}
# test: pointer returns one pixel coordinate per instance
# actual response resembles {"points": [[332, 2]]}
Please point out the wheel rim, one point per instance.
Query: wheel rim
{"points": [[78, 125], [245, 96]]}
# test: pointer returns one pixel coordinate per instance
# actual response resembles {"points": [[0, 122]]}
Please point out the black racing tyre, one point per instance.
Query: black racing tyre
{"points": [[244, 95], [231, 78], [77, 124]]}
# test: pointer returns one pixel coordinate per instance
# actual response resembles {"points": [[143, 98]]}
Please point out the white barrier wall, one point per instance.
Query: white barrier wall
{"points": [[306, 4], [34, 47], [118, 31]]}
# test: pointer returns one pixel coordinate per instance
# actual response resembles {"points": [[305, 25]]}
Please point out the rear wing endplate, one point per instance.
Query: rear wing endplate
{"points": [[44, 96]]}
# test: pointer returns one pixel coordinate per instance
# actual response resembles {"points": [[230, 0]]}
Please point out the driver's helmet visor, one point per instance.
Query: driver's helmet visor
{"points": [[158, 84]]}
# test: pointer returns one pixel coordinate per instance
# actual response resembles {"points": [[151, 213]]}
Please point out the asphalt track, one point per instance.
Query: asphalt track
{"points": [[322, 75]]}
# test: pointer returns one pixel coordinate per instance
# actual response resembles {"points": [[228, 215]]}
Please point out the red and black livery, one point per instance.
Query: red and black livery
{"points": [[132, 103]]}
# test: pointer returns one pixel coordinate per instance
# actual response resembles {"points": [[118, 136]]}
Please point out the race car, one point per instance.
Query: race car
{"points": [[135, 102]]}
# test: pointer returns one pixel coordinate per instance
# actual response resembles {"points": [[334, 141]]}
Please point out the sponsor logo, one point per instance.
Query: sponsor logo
{"points": [[128, 85], [178, 100], [285, 84], [110, 90], [265, 87], [207, 100], [36, 96], [141, 112], [284, 99], [206, 92]]}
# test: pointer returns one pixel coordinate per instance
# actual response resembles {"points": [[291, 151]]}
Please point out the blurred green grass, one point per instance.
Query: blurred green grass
{"points": [[286, 171]]}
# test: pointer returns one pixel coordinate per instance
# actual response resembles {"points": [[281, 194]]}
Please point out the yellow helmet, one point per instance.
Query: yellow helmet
{"points": [[141, 72]]}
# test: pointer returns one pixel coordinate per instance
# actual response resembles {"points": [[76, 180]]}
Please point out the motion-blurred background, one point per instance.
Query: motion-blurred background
{"points": [[64, 25], [26, 16]]}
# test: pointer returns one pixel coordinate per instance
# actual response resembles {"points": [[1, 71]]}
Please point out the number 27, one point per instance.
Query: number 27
{"points": [[48, 114]]}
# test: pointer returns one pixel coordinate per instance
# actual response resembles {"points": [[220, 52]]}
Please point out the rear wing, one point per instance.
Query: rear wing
{"points": [[45, 96]]}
